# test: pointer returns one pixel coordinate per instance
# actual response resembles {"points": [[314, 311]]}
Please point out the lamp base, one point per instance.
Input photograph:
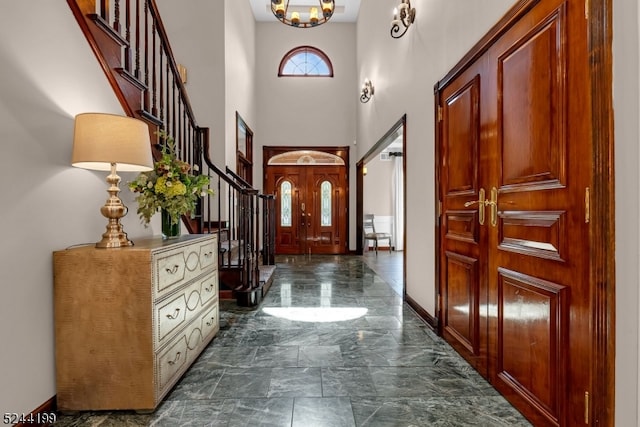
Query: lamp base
{"points": [[114, 209], [114, 237]]}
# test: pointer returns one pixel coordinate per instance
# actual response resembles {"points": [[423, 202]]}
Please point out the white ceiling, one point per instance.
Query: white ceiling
{"points": [[346, 10]]}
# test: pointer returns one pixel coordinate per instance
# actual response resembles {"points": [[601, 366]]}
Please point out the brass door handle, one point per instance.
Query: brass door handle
{"points": [[481, 203], [493, 203]]}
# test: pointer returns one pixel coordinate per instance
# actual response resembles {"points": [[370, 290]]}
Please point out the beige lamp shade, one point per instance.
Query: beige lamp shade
{"points": [[101, 139]]}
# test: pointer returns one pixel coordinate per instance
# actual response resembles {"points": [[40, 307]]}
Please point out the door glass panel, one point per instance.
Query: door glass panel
{"points": [[285, 204], [325, 204]]}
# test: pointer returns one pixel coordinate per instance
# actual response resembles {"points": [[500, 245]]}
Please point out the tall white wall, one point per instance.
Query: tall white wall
{"points": [[49, 75], [315, 111], [404, 72], [197, 36], [626, 97], [240, 75]]}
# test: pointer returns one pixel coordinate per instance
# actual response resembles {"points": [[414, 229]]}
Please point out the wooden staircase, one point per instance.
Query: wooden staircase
{"points": [[132, 47]]}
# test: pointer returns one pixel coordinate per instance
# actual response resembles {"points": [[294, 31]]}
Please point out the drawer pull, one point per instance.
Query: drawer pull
{"points": [[175, 360], [211, 321], [174, 315], [209, 288], [173, 270], [208, 254]]}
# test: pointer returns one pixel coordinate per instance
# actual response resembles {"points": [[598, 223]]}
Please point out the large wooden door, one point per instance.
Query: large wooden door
{"points": [[310, 208], [514, 264]]}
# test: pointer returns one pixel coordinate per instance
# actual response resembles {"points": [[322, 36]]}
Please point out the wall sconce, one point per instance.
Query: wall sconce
{"points": [[406, 16], [367, 91], [107, 142], [364, 171]]}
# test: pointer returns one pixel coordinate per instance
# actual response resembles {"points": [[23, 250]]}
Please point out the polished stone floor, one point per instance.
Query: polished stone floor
{"points": [[331, 345]]}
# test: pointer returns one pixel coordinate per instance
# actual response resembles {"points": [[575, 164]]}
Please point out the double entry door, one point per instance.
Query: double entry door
{"points": [[311, 208], [514, 173]]}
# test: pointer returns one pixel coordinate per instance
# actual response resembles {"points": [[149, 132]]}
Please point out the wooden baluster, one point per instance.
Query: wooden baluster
{"points": [[138, 22], [154, 73], [127, 49], [104, 10], [116, 16], [146, 54], [162, 76]]}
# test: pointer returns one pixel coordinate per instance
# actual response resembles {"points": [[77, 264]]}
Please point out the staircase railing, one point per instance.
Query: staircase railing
{"points": [[133, 49], [268, 225]]}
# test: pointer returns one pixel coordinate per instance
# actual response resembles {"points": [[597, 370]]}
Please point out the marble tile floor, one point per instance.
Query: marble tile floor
{"points": [[332, 344]]}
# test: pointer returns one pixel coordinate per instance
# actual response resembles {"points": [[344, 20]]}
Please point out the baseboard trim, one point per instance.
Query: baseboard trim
{"points": [[46, 411], [429, 319]]}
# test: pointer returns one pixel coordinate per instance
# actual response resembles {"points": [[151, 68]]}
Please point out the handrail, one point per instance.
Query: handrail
{"points": [[238, 178], [131, 44]]}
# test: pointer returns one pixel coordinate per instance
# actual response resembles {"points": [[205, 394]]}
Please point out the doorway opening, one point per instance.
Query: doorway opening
{"points": [[381, 194]]}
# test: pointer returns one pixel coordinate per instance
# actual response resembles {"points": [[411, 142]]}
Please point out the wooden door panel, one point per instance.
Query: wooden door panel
{"points": [[461, 310], [533, 291], [541, 234], [531, 104], [531, 337], [460, 154], [308, 232], [462, 226]]}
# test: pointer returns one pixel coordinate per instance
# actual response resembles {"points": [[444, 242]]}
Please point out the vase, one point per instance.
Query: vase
{"points": [[169, 230]]}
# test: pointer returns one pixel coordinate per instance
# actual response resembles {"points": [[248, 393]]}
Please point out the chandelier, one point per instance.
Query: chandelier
{"points": [[316, 15]]}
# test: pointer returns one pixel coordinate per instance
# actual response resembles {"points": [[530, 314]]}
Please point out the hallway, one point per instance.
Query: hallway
{"points": [[331, 345]]}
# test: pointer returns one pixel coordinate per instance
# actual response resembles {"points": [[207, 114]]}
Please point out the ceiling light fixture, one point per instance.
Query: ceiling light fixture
{"points": [[367, 91], [294, 16], [406, 18]]}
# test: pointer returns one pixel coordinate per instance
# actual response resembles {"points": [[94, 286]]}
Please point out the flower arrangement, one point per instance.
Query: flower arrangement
{"points": [[169, 186]]}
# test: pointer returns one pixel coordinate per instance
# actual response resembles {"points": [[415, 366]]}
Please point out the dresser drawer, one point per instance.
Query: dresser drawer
{"points": [[209, 289], [179, 265], [170, 363], [210, 322], [185, 306]]}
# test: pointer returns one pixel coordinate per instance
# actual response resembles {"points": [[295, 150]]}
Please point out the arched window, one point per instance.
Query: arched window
{"points": [[305, 61], [285, 204], [325, 204]]}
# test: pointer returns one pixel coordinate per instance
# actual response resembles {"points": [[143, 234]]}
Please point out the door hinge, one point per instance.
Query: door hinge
{"points": [[586, 407], [587, 206], [439, 113]]}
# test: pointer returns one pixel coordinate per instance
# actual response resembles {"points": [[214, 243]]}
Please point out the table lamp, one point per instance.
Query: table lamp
{"points": [[107, 142]]}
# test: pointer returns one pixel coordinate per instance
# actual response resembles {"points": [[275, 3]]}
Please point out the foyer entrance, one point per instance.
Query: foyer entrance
{"points": [[310, 187]]}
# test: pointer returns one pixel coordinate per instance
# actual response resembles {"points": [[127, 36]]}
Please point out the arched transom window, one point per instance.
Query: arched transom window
{"points": [[305, 61]]}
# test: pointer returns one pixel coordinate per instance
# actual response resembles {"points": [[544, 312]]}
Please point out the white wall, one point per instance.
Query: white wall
{"points": [[404, 72], [240, 75], [314, 111], [197, 37], [378, 188], [626, 96], [49, 75]]}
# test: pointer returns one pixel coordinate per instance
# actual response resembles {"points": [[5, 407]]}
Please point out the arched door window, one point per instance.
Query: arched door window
{"points": [[325, 204], [305, 61], [285, 204]]}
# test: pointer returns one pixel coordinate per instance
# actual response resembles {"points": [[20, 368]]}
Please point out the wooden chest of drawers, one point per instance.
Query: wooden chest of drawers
{"points": [[130, 321]]}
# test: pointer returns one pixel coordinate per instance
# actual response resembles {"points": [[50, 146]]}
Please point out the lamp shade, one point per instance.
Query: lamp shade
{"points": [[101, 139]]}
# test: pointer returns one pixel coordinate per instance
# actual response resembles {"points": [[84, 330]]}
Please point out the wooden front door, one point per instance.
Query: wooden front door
{"points": [[515, 158], [311, 206]]}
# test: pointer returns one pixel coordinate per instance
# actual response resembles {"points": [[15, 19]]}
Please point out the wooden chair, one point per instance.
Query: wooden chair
{"points": [[371, 234]]}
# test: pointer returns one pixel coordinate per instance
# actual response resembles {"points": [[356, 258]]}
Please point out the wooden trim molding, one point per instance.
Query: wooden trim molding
{"points": [[424, 315], [40, 415], [602, 235]]}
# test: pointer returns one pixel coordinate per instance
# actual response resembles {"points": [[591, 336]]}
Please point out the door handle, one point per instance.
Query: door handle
{"points": [[481, 203], [493, 204]]}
